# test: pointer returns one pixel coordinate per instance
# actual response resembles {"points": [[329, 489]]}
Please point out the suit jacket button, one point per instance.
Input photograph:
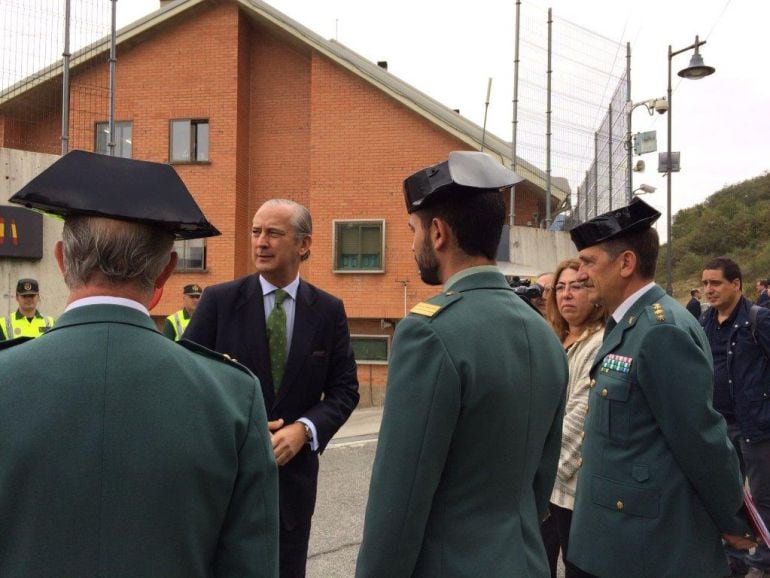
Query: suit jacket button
{"points": [[619, 505]]}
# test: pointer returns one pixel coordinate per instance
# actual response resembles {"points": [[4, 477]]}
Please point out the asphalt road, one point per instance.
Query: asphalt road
{"points": [[343, 487]]}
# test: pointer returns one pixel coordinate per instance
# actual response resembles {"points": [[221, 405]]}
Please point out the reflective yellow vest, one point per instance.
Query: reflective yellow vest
{"points": [[19, 326], [179, 322]]}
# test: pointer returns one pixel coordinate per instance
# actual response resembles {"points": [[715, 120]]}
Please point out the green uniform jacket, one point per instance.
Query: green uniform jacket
{"points": [[660, 479], [124, 454], [470, 439]]}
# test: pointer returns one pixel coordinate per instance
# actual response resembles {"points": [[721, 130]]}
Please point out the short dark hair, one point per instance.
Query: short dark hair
{"points": [[693, 292], [730, 269], [763, 282], [644, 244], [476, 219]]}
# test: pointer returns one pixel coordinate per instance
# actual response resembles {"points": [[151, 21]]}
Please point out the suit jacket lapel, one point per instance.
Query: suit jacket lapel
{"points": [[615, 337], [250, 308], [305, 322]]}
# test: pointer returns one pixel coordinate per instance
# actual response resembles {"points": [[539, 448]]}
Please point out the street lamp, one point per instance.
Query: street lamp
{"points": [[695, 71]]}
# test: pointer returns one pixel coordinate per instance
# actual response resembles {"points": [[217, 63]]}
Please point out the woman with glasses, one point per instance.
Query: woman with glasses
{"points": [[578, 320]]}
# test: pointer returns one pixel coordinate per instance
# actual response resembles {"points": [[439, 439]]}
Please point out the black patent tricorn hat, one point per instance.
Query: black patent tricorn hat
{"points": [[629, 219], [464, 170], [83, 183]]}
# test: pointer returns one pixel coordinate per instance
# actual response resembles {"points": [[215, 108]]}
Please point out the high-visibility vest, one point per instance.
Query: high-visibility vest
{"points": [[179, 322], [17, 325]]}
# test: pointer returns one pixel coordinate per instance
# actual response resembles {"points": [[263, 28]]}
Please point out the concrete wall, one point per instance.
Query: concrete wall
{"points": [[19, 167], [535, 251]]}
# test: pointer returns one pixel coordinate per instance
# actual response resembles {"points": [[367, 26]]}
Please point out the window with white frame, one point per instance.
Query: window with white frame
{"points": [[123, 140], [189, 141], [192, 254], [359, 246], [373, 349]]}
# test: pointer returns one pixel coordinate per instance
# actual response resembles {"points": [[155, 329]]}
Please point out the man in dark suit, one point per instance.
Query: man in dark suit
{"points": [[763, 299], [123, 453], [659, 484], [295, 338], [471, 433], [693, 305]]}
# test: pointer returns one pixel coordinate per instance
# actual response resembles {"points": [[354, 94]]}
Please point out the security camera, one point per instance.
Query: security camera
{"points": [[660, 105]]}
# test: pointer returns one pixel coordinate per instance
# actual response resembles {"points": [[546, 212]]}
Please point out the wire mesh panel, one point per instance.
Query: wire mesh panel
{"points": [[588, 110], [32, 43]]}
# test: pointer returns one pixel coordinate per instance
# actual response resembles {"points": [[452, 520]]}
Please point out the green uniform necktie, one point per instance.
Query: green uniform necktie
{"points": [[276, 338]]}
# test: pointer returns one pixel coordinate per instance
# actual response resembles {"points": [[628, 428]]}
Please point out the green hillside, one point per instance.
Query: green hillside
{"points": [[735, 222]]}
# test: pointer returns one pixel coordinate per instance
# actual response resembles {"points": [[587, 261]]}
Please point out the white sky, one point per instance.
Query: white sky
{"points": [[449, 49]]}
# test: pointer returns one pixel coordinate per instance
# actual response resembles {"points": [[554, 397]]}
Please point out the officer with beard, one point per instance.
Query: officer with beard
{"points": [[471, 430]]}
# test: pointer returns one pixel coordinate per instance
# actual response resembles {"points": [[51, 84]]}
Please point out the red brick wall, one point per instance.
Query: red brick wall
{"points": [[284, 122]]}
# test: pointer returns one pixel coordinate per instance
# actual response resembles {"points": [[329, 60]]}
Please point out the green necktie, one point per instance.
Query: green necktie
{"points": [[276, 338]]}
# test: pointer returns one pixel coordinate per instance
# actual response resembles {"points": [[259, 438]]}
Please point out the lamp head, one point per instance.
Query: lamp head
{"points": [[696, 70]]}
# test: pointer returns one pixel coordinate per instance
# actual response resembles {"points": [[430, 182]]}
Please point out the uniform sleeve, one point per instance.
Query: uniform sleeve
{"points": [[676, 378], [422, 406], [168, 330], [248, 543]]}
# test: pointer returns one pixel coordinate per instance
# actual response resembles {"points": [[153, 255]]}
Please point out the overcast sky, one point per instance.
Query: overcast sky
{"points": [[449, 49]]}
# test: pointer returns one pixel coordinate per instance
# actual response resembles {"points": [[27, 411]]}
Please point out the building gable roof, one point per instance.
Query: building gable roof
{"points": [[412, 98]]}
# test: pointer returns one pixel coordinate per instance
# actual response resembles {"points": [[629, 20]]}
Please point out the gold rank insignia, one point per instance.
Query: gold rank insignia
{"points": [[426, 309], [659, 313]]}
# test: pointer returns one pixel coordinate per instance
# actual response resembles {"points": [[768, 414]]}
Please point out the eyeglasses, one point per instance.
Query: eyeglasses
{"points": [[574, 287]]}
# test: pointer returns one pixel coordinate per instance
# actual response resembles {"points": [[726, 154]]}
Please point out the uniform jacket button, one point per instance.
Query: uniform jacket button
{"points": [[605, 392], [619, 505]]}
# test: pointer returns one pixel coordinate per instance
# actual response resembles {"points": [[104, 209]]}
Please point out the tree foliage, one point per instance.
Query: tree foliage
{"points": [[735, 222]]}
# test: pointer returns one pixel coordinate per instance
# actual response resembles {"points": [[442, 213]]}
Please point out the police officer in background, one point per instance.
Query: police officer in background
{"points": [[27, 321], [177, 322]]}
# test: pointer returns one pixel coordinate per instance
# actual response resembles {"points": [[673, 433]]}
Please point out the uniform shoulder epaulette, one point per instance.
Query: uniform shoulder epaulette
{"points": [[14, 342], [658, 312], [435, 305], [205, 351]]}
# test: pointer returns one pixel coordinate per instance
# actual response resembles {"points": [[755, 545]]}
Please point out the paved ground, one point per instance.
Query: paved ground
{"points": [[343, 489]]}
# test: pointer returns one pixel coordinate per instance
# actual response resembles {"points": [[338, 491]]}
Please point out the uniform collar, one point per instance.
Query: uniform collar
{"points": [[20, 315], [107, 300], [468, 272], [621, 311]]}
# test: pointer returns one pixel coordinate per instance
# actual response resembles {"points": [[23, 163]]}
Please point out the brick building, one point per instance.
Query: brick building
{"points": [[248, 105]]}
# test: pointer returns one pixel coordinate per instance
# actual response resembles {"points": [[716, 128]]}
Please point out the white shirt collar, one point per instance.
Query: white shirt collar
{"points": [[621, 311], [107, 300], [291, 288]]}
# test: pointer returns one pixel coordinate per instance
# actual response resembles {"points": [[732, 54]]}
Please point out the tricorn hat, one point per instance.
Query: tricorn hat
{"points": [[629, 219], [83, 183], [474, 172]]}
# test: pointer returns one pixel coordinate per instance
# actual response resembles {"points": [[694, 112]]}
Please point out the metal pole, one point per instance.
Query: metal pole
{"points": [[65, 81], [596, 174], [669, 281], [548, 131], [629, 144], [486, 109], [113, 60], [609, 153], [512, 213]]}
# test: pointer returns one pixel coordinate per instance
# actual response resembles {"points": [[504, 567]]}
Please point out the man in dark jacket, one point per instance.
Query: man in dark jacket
{"points": [[742, 381], [693, 305]]}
